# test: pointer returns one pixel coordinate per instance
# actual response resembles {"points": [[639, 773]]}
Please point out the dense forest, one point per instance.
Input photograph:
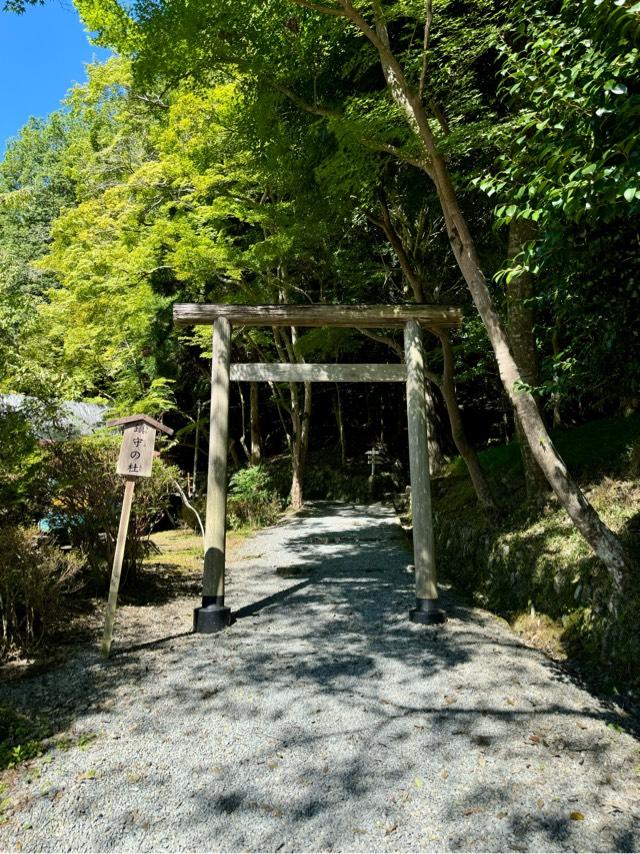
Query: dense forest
{"points": [[482, 155]]}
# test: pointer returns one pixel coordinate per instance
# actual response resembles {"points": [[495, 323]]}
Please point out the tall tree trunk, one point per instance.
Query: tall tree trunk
{"points": [[300, 417], [340, 422], [436, 454], [243, 424], [254, 418], [555, 397], [520, 321], [601, 539]]}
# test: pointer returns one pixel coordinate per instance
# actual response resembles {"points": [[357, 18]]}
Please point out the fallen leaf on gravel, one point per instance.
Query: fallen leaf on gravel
{"points": [[390, 828], [540, 803], [449, 699], [534, 739], [502, 814], [472, 810], [418, 783], [444, 774], [576, 816], [482, 760], [272, 765]]}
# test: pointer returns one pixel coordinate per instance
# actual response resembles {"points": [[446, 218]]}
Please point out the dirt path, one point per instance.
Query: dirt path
{"points": [[324, 720]]}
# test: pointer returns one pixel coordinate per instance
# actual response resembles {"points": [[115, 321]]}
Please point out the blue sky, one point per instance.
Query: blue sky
{"points": [[42, 53]]}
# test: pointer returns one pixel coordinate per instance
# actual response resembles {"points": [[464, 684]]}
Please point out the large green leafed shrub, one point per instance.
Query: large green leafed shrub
{"points": [[253, 499], [87, 497]]}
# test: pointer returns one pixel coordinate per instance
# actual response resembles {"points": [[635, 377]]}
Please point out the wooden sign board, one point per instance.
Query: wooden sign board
{"points": [[135, 460], [136, 451]]}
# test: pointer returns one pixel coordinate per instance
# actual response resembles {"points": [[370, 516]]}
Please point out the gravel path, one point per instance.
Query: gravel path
{"points": [[324, 720]]}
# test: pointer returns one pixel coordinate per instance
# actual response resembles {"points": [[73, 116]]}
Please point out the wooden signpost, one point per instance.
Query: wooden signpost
{"points": [[135, 460]]}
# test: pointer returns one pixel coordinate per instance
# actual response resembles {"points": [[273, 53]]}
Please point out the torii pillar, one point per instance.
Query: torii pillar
{"points": [[426, 610], [214, 615]]}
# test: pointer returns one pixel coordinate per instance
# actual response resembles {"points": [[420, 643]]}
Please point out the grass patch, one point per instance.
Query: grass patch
{"points": [[21, 737]]}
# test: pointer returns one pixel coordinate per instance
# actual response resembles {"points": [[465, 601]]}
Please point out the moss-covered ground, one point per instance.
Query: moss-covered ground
{"points": [[531, 566]]}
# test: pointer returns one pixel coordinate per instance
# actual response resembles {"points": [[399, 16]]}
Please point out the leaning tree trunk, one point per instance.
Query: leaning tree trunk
{"points": [[464, 446], [601, 539], [520, 321]]}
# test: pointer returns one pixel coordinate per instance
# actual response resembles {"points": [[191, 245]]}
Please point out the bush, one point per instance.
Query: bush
{"points": [[253, 499], [87, 498], [34, 576], [21, 487]]}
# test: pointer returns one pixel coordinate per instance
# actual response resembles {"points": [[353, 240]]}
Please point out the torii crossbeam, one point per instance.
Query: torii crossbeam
{"points": [[214, 615]]}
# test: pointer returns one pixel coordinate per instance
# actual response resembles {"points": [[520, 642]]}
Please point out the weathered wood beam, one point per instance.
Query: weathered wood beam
{"points": [[366, 316], [278, 372]]}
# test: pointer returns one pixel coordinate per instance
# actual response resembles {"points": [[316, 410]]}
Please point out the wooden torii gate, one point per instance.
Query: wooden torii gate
{"points": [[213, 615]]}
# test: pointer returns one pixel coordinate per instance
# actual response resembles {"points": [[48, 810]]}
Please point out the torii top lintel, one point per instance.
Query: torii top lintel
{"points": [[320, 314]]}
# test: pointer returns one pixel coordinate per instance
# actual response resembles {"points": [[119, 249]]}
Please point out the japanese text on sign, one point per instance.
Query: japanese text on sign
{"points": [[136, 452]]}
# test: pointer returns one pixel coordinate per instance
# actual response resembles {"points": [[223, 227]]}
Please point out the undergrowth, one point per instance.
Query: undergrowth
{"points": [[531, 566]]}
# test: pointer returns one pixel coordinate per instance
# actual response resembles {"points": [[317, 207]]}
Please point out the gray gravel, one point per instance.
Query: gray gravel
{"points": [[324, 720]]}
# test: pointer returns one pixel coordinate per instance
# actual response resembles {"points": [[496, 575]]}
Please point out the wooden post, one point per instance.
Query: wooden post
{"points": [[117, 568], [426, 610], [213, 615]]}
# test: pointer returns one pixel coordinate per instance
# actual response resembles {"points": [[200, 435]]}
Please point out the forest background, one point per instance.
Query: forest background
{"points": [[292, 151]]}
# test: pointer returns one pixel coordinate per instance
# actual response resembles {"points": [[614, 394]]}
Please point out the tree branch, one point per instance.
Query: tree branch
{"points": [[387, 148], [383, 339], [314, 109], [428, 17], [319, 7], [326, 112]]}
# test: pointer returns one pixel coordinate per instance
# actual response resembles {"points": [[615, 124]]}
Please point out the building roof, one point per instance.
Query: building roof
{"points": [[71, 418]]}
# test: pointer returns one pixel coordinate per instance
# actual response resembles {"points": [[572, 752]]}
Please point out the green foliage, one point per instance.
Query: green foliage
{"points": [[22, 493], [34, 577], [33, 190], [568, 161], [87, 497], [253, 499]]}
